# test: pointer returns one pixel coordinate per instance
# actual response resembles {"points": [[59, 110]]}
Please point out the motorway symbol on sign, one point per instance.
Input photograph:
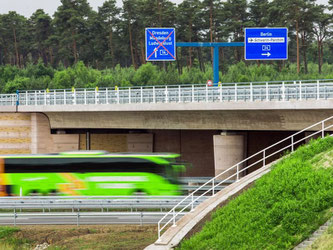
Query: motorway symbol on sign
{"points": [[266, 44], [160, 44]]}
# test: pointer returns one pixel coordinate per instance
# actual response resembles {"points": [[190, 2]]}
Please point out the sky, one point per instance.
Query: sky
{"points": [[27, 7]]}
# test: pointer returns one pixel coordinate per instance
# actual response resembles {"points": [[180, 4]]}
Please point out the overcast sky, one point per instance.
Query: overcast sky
{"points": [[27, 7]]}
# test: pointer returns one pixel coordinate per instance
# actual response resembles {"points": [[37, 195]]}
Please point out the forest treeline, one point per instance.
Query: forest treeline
{"points": [[111, 40], [40, 77]]}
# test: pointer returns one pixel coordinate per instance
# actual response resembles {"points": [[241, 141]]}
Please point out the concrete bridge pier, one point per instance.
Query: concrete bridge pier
{"points": [[229, 149]]}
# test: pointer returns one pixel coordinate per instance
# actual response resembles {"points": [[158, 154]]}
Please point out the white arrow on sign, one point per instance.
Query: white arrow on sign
{"points": [[266, 54], [155, 52]]}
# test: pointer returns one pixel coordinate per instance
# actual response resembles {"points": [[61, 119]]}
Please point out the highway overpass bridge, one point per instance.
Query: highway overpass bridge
{"points": [[213, 127]]}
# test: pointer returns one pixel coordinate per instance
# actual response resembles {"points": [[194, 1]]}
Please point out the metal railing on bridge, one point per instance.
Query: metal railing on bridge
{"points": [[226, 92]]}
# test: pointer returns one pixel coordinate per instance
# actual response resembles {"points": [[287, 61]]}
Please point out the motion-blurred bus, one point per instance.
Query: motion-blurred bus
{"points": [[90, 173]]}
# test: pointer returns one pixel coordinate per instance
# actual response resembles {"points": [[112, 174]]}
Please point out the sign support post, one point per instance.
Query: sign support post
{"points": [[216, 47]]}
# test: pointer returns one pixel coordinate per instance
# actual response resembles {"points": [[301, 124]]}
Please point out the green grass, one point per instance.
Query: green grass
{"points": [[63, 237], [9, 241], [280, 210], [324, 242]]}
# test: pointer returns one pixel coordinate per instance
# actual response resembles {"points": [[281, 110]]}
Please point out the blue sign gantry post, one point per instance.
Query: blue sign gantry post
{"points": [[266, 43], [160, 44]]}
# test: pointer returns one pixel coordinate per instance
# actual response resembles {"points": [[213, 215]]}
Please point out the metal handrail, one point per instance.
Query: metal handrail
{"points": [[212, 182], [226, 92]]}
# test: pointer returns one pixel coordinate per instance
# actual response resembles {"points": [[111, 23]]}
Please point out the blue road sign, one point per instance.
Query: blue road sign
{"points": [[266, 44], [160, 44]]}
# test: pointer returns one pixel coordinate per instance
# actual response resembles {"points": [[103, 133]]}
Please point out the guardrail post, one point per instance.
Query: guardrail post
{"points": [[55, 97], [251, 92], [74, 96], [322, 129], [237, 173], [235, 91], [44, 97], [213, 184], [283, 95], [206, 93], [129, 95], [166, 94], [85, 96], [300, 90], [107, 96], [179, 94], [118, 96], [154, 97], [78, 218], [264, 158], [267, 94], [141, 95], [64, 97], [173, 217], [35, 97], [26, 97], [292, 144], [192, 199], [221, 97], [141, 215], [318, 95], [192, 93], [15, 215]]}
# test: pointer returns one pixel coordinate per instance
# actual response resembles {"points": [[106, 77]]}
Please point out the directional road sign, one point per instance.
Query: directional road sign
{"points": [[160, 44], [266, 44]]}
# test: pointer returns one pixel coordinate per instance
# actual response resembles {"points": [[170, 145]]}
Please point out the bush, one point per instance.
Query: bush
{"points": [[279, 211], [146, 75], [19, 83]]}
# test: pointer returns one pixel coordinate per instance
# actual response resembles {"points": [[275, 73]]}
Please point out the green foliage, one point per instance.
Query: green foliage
{"points": [[39, 76], [19, 83], [279, 211], [8, 240], [79, 76], [146, 75]]}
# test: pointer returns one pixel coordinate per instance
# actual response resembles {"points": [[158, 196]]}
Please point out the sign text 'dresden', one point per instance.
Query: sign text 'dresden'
{"points": [[160, 44]]}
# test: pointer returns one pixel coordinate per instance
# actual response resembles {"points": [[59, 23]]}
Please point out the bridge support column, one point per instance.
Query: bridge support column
{"points": [[228, 150]]}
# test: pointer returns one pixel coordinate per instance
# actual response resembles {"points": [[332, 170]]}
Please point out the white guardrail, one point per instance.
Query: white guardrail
{"points": [[135, 217], [104, 203], [237, 171], [256, 91]]}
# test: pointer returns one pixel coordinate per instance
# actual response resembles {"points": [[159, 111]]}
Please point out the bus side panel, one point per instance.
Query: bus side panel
{"points": [[33, 183], [128, 183], [101, 183]]}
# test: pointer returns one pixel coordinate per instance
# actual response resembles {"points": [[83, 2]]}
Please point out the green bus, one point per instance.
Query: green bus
{"points": [[90, 173]]}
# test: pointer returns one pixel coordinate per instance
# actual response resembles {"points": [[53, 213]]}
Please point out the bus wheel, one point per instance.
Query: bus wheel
{"points": [[34, 193], [53, 193], [139, 192]]}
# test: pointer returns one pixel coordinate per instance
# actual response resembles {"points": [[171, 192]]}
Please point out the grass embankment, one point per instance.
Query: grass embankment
{"points": [[125, 237], [280, 210], [324, 242]]}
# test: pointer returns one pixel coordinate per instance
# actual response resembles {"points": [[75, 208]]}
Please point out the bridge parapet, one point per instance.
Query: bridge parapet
{"points": [[200, 93]]}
